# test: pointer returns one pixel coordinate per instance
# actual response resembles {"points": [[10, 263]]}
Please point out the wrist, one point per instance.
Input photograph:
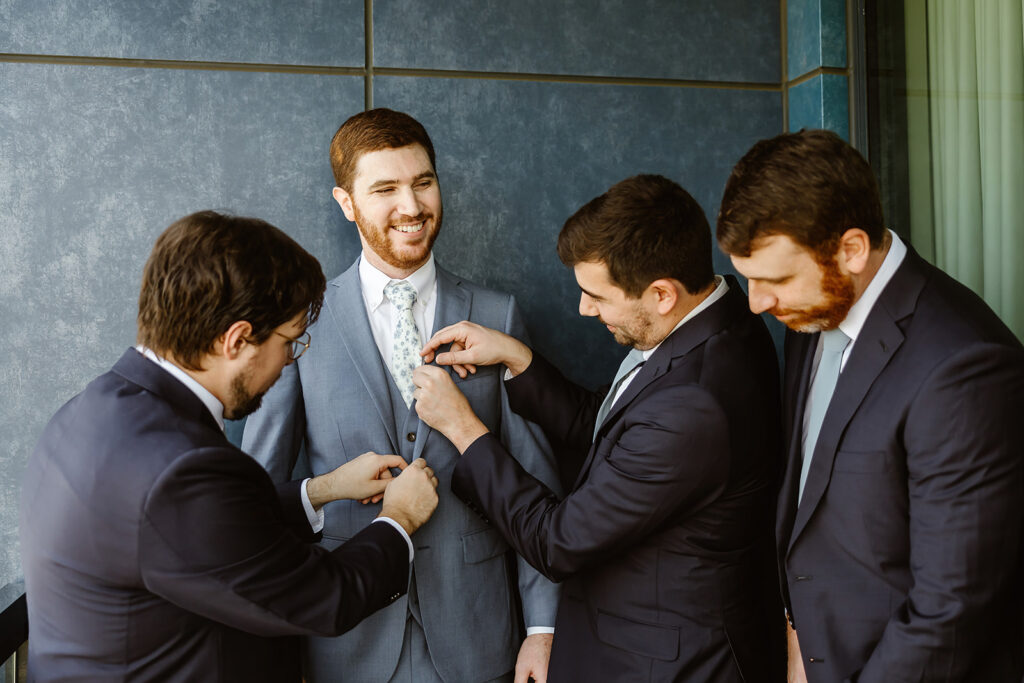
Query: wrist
{"points": [[322, 490], [398, 518], [520, 360], [466, 432]]}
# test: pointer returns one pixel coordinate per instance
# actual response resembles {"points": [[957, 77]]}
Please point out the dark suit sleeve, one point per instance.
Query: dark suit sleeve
{"points": [[564, 410], [215, 541], [666, 462], [964, 442], [289, 496]]}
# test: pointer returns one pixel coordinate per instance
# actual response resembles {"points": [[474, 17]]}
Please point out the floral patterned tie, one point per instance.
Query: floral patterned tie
{"points": [[405, 354]]}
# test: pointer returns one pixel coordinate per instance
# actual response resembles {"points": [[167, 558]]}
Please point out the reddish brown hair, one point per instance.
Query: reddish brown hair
{"points": [[370, 131], [643, 229], [208, 271], [810, 186]]}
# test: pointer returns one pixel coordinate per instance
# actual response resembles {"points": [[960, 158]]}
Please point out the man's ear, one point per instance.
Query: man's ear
{"points": [[344, 200], [665, 293], [230, 345], [854, 251]]}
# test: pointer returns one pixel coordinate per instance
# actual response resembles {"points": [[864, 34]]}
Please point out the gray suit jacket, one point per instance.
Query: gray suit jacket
{"points": [[336, 402]]}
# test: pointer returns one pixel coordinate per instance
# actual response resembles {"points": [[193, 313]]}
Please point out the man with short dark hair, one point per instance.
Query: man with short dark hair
{"points": [[901, 511], [664, 539], [153, 549], [353, 392]]}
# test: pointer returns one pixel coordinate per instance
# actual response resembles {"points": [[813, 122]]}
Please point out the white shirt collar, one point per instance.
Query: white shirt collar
{"points": [[215, 407], [853, 323], [373, 282], [711, 298]]}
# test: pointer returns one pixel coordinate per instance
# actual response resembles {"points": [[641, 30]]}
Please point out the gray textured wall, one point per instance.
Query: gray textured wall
{"points": [[117, 117]]}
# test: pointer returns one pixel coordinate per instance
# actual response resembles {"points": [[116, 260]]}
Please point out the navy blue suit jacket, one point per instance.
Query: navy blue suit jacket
{"points": [[153, 549], [904, 559], [664, 541]]}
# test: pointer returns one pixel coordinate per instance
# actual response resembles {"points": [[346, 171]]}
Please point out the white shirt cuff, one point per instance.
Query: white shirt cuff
{"points": [[408, 541], [315, 517], [534, 630]]}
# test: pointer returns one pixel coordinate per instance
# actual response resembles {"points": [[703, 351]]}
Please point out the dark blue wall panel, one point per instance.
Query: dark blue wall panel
{"points": [[726, 40], [518, 158], [94, 163], [321, 32], [816, 35]]}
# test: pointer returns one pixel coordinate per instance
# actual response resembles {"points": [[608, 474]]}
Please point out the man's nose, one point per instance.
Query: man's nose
{"points": [[761, 299], [408, 203], [587, 307]]}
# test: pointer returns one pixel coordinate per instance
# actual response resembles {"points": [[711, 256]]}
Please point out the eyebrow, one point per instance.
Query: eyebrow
{"points": [[394, 181], [591, 294]]}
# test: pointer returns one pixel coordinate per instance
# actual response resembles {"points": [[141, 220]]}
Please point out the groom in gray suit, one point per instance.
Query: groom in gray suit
{"points": [[352, 393]]}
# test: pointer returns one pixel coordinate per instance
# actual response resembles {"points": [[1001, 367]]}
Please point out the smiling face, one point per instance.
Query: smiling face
{"points": [[396, 204], [785, 279], [628, 319]]}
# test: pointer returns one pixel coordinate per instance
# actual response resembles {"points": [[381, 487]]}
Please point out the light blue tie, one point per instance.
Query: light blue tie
{"points": [[834, 343], [632, 360], [405, 354]]}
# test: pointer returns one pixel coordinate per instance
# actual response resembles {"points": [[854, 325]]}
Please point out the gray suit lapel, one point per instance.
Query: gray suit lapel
{"points": [[453, 305], [344, 303]]}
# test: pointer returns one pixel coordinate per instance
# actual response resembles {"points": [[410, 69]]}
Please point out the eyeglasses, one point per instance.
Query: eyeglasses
{"points": [[298, 347]]}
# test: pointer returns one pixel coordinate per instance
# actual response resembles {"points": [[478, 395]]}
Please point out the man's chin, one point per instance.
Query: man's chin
{"points": [[251, 405], [807, 325]]}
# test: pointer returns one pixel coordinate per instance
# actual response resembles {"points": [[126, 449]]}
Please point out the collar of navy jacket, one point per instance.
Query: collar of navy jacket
{"points": [[709, 322]]}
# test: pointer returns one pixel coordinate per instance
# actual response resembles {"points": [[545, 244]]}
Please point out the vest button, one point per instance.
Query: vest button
{"points": [[411, 436]]}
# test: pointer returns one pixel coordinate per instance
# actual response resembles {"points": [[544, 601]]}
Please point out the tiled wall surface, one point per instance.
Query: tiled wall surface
{"points": [[534, 109], [816, 65]]}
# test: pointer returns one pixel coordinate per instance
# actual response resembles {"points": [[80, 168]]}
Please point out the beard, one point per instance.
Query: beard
{"points": [[838, 294], [637, 333], [405, 257], [243, 402]]}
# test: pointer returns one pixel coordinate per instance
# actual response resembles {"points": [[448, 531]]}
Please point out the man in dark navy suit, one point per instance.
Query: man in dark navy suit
{"points": [[155, 550], [900, 517], [664, 539]]}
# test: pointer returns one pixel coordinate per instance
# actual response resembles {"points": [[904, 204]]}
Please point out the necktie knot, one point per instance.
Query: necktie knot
{"points": [[633, 359], [401, 294], [834, 341]]}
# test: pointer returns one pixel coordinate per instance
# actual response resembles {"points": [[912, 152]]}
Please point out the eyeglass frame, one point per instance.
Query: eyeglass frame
{"points": [[294, 341]]}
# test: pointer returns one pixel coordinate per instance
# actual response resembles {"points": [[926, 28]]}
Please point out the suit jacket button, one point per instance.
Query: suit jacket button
{"points": [[411, 436]]}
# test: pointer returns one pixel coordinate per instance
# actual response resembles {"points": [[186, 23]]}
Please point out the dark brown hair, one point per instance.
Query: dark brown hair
{"points": [[643, 228], [370, 131], [208, 271], [810, 186]]}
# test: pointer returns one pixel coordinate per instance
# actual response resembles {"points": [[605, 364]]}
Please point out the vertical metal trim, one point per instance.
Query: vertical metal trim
{"points": [[856, 41], [784, 76], [368, 43]]}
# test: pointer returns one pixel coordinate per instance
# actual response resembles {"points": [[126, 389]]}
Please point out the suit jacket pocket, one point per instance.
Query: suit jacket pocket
{"points": [[861, 462], [656, 641], [481, 545]]}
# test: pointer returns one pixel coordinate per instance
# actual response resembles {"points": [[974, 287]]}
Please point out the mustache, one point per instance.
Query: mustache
{"points": [[421, 216]]}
